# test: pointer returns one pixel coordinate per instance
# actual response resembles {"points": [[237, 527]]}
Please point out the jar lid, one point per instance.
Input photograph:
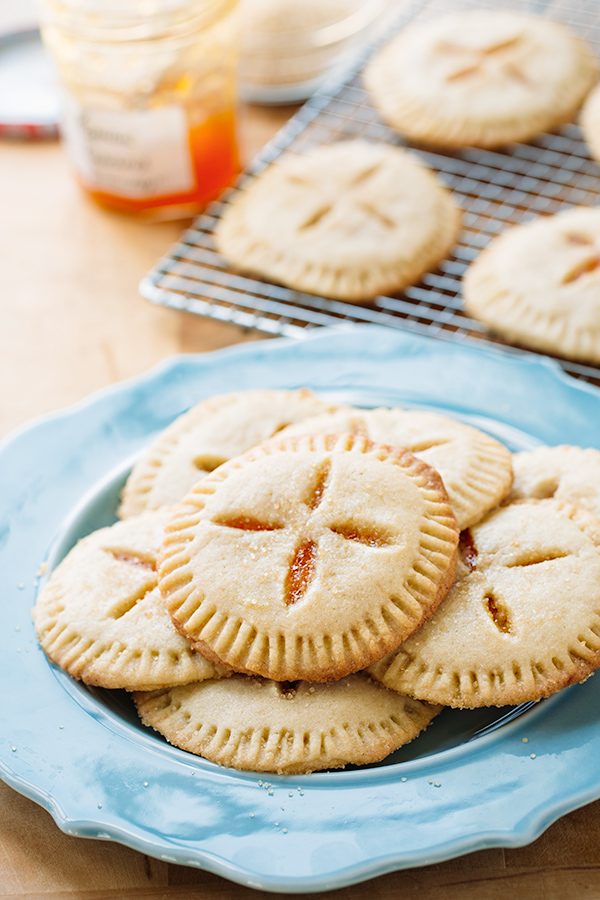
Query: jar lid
{"points": [[29, 98]]}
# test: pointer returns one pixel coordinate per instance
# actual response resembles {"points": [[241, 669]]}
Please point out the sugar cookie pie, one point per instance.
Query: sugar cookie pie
{"points": [[100, 616], [567, 473], [538, 284], [522, 619], [480, 78], [207, 435], [349, 221], [267, 726], [308, 558], [476, 469]]}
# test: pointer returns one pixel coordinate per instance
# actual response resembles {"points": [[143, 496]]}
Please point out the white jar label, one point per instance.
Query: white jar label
{"points": [[130, 153]]}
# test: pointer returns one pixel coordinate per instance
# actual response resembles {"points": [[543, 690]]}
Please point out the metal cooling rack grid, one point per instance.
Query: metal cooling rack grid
{"points": [[495, 189]]}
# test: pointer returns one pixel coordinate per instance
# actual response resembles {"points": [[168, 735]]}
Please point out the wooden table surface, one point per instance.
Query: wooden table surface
{"points": [[72, 321]]}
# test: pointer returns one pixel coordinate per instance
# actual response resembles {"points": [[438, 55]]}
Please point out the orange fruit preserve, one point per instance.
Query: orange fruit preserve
{"points": [[215, 163]]}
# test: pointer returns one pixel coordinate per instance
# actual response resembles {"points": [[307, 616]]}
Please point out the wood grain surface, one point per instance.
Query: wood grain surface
{"points": [[72, 316], [72, 321]]}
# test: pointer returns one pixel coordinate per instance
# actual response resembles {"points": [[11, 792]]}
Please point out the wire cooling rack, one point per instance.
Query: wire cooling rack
{"points": [[495, 189]]}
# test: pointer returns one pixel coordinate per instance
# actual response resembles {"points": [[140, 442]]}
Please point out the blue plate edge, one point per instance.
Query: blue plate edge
{"points": [[357, 873], [170, 363], [343, 878]]}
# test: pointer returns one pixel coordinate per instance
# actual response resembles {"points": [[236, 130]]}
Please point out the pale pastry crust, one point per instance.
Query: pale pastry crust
{"points": [[567, 473], [309, 558], [481, 78], [100, 616], [265, 726], [207, 435], [522, 619], [590, 122], [476, 469], [538, 284], [350, 221]]}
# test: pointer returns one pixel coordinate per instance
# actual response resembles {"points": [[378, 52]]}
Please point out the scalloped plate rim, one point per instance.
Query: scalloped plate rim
{"points": [[538, 818]]}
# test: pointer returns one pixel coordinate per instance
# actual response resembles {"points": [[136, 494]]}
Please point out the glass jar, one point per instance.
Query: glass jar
{"points": [[288, 48], [149, 99]]}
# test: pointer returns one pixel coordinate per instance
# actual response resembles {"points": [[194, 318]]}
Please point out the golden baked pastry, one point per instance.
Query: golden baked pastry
{"points": [[268, 726], [350, 220], [205, 436], [476, 469], [538, 284], [567, 473], [522, 619], [309, 558], [100, 616], [481, 78]]}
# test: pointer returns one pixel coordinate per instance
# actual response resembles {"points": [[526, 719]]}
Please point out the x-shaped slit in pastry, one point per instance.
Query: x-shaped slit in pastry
{"points": [[301, 571], [579, 239], [378, 215], [304, 562], [361, 177], [536, 559], [247, 523], [133, 559], [427, 444], [477, 59], [140, 561], [365, 174], [208, 462], [315, 217]]}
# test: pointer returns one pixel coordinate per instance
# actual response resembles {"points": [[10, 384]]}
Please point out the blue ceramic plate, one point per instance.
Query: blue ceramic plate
{"points": [[476, 779]]}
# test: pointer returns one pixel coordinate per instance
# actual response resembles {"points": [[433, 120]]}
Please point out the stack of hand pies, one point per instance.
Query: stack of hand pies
{"points": [[295, 585]]}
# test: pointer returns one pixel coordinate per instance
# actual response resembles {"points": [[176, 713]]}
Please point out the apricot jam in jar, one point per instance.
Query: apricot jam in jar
{"points": [[149, 91]]}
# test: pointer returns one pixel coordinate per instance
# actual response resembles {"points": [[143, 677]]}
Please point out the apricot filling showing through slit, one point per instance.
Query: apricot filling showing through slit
{"points": [[309, 557], [537, 284], [101, 616], [476, 469], [316, 600], [522, 619]]}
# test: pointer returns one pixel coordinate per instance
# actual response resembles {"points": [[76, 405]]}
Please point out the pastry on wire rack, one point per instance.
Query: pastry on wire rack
{"points": [[349, 221], [481, 78]]}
